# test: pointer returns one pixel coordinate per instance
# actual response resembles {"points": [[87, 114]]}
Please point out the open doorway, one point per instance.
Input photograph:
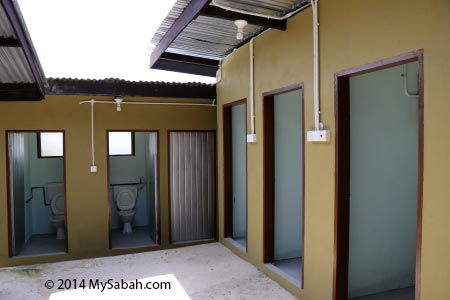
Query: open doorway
{"points": [[133, 189], [284, 182], [36, 192], [379, 121], [235, 172]]}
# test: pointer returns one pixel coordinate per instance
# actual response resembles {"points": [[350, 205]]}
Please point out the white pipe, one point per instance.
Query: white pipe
{"points": [[246, 12], [252, 90], [149, 103], [317, 124], [92, 101], [405, 83]]}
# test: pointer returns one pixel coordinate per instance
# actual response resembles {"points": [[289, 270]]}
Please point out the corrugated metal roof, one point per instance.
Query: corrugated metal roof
{"points": [[6, 30], [216, 38], [14, 66], [116, 87]]}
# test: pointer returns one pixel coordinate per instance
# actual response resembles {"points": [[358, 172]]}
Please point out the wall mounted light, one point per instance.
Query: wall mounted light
{"points": [[118, 101], [240, 24]]}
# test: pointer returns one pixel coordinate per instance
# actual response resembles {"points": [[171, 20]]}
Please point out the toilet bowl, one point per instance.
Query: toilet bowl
{"points": [[55, 192], [125, 198]]}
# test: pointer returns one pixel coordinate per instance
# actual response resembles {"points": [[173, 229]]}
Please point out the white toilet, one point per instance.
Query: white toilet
{"points": [[55, 192], [125, 197]]}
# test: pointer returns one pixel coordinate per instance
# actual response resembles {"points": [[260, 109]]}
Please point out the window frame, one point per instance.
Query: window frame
{"points": [[133, 148], [39, 144]]}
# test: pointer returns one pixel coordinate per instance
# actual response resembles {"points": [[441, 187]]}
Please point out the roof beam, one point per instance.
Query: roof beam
{"points": [[9, 42], [217, 12], [191, 11], [187, 64]]}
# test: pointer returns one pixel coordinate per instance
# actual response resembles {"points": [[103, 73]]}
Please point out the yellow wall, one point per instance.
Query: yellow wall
{"points": [[352, 33], [87, 198]]}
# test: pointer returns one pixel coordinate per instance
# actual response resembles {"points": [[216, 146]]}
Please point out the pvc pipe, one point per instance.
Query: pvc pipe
{"points": [[92, 101], [252, 90], [246, 12], [149, 103], [317, 124], [405, 84]]}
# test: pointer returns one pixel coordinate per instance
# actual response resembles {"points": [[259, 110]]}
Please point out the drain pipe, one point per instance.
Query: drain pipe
{"points": [[251, 137], [318, 134]]}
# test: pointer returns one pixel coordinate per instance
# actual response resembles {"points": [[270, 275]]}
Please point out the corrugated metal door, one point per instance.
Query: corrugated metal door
{"points": [[17, 189], [192, 185]]}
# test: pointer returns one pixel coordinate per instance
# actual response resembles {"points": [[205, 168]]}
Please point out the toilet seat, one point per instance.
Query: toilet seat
{"points": [[125, 197], [57, 203]]}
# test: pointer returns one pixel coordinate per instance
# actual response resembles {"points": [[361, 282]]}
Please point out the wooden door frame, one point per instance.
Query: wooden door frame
{"points": [[157, 184], [269, 169], [342, 167], [8, 191], [228, 170]]}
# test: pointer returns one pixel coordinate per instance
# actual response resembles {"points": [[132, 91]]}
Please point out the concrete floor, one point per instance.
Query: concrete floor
{"points": [[43, 244], [208, 271], [400, 294], [291, 267], [140, 237]]}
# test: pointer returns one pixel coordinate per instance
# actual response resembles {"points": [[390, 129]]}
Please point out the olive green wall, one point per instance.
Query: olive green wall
{"points": [[87, 194], [352, 33]]}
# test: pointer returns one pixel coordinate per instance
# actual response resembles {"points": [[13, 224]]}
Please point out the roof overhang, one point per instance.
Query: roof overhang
{"points": [[25, 79], [196, 34]]}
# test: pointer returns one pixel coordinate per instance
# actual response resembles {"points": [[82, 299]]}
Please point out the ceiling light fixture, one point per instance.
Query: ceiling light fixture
{"points": [[240, 28]]}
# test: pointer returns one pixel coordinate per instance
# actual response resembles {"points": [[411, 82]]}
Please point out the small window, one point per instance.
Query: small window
{"points": [[50, 144], [121, 143]]}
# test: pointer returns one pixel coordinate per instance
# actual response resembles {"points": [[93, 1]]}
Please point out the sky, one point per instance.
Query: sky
{"points": [[96, 39]]}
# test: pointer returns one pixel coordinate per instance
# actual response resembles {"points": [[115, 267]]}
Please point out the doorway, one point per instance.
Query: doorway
{"points": [[133, 179], [379, 164], [235, 172], [284, 182], [36, 193]]}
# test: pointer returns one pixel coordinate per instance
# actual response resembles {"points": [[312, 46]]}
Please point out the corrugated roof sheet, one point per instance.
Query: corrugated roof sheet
{"points": [[216, 38], [6, 30], [14, 66], [116, 87]]}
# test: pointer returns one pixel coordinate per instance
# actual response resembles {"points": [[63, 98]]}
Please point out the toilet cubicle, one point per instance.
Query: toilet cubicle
{"points": [[132, 166]]}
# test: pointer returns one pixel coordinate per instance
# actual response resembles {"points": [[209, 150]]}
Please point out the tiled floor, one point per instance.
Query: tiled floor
{"points": [[400, 294], [140, 237], [43, 244]]}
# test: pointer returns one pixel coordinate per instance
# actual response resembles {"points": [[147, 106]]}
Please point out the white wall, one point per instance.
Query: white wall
{"points": [[42, 171], [383, 182]]}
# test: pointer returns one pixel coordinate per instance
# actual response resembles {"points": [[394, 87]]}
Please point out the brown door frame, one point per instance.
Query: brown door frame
{"points": [[269, 169], [342, 166], [170, 179], [228, 169], [157, 200], [8, 191]]}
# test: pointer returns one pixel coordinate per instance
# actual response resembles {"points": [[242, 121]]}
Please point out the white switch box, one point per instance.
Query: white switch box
{"points": [[219, 75], [93, 169], [322, 136], [251, 138]]}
